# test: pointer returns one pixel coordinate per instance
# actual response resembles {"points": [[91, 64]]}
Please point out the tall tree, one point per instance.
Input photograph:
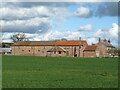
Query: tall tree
{"points": [[19, 37]]}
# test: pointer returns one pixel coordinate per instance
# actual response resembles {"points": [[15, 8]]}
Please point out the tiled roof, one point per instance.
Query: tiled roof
{"points": [[90, 48], [56, 48], [54, 43], [34, 43], [70, 43]]}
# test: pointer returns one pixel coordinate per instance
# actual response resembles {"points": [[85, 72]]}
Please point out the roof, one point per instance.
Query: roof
{"points": [[6, 45], [51, 43], [57, 48], [107, 44], [34, 43], [90, 48], [70, 43]]}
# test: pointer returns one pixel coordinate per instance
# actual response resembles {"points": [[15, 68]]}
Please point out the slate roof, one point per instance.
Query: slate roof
{"points": [[51, 43], [107, 44], [90, 48]]}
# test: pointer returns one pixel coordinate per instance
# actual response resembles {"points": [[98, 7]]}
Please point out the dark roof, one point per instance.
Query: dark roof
{"points": [[57, 48], [6, 45], [107, 44], [54, 43], [34, 43], [90, 48]]}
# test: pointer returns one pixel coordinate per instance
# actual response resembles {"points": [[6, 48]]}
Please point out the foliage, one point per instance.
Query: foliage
{"points": [[19, 37], [113, 52], [59, 72]]}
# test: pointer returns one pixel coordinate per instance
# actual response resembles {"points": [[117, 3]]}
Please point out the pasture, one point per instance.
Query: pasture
{"points": [[59, 72]]}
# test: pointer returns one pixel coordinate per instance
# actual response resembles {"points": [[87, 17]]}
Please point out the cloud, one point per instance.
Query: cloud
{"points": [[114, 31], [32, 25], [111, 34], [92, 40], [83, 12], [87, 27], [107, 9], [99, 33], [57, 35], [24, 13], [50, 35], [34, 19]]}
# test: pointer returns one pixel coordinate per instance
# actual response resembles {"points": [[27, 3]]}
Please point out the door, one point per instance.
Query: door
{"points": [[97, 53], [67, 53]]}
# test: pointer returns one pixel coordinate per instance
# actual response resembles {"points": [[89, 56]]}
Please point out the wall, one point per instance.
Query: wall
{"points": [[89, 54], [102, 49], [42, 50]]}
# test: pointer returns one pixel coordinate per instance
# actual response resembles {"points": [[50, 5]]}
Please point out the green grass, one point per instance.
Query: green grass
{"points": [[59, 72]]}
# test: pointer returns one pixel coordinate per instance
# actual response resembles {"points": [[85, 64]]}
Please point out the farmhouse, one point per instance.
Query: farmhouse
{"points": [[69, 48], [98, 50]]}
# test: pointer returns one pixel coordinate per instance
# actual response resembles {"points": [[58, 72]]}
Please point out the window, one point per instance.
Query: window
{"points": [[38, 50], [49, 52], [29, 50], [60, 52], [54, 52], [22, 50]]}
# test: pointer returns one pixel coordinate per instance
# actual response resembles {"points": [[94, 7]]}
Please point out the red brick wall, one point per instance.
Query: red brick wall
{"points": [[42, 50], [89, 54], [102, 49]]}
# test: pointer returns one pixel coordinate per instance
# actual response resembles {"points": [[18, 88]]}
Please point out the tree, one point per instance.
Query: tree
{"points": [[19, 37], [114, 52], [64, 39]]}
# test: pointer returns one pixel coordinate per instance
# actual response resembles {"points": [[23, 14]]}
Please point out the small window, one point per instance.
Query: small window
{"points": [[29, 50], [49, 52], [54, 52], [38, 50], [60, 52], [22, 50]]}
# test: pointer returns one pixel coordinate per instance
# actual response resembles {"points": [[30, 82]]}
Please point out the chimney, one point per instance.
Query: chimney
{"points": [[99, 40], [79, 38], [109, 40], [105, 40]]}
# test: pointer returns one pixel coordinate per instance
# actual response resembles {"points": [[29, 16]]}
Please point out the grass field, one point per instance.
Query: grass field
{"points": [[59, 72]]}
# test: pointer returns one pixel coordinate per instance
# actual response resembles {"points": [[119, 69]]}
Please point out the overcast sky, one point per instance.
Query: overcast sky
{"points": [[70, 20]]}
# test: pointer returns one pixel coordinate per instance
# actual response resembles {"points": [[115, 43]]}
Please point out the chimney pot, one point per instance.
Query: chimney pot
{"points": [[105, 40], [109, 40], [99, 40]]}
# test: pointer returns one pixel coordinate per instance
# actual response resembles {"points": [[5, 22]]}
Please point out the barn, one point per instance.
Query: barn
{"points": [[70, 48]]}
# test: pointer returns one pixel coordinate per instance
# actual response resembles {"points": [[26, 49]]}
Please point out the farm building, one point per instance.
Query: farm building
{"points": [[6, 48], [98, 50], [70, 48]]}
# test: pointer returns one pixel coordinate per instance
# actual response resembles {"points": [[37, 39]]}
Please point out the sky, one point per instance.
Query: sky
{"points": [[43, 21]]}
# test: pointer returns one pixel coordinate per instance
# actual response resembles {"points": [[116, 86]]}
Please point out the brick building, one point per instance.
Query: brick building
{"points": [[98, 50], [70, 48]]}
